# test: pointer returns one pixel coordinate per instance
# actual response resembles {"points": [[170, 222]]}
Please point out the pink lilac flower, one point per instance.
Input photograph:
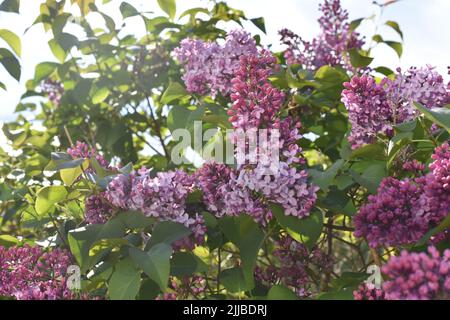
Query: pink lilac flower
{"points": [[373, 109], [423, 85], [81, 150], [368, 291], [162, 196], [393, 216], [31, 273], [211, 179], [97, 209], [54, 91], [402, 211], [329, 47], [436, 191], [256, 104], [368, 108], [418, 276], [209, 66]]}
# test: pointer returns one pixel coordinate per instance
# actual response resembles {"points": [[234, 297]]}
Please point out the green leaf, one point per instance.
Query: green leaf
{"points": [[280, 292], [186, 264], [82, 239], [168, 232], [441, 116], [57, 51], [344, 294], [100, 95], [155, 262], [69, 175], [47, 197], [10, 63], [358, 60], [44, 70], [384, 70], [248, 237], [397, 46], [128, 10], [234, 281], [355, 24], [8, 241], [259, 22], [324, 179], [349, 280], [306, 230], [371, 177], [394, 25], [369, 151], [10, 6], [125, 281], [181, 117], [169, 7], [173, 91], [12, 40], [135, 219]]}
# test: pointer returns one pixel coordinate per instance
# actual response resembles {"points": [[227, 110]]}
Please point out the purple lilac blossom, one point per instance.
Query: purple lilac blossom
{"points": [[373, 109], [31, 273], [418, 276], [330, 46], [209, 66], [368, 291], [54, 91], [392, 216]]}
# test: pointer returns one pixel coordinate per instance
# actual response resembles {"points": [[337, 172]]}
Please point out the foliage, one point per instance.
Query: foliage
{"points": [[123, 95]]}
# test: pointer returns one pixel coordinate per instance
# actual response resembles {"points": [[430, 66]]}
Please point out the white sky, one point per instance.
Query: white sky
{"points": [[425, 24]]}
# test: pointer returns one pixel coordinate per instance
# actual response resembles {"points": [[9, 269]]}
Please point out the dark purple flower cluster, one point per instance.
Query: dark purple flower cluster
{"points": [[54, 91], [211, 66], [368, 291], [436, 190], [97, 209], [402, 211], [295, 262], [418, 276], [391, 216], [330, 46], [374, 109], [31, 273]]}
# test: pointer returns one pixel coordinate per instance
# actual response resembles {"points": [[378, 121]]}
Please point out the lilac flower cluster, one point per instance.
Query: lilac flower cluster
{"points": [[436, 195], [418, 276], [81, 150], [30, 273], [423, 85], [211, 66], [329, 47], [402, 211], [295, 261], [97, 209], [375, 108], [368, 108], [163, 196], [256, 104], [54, 91], [368, 291], [390, 217]]}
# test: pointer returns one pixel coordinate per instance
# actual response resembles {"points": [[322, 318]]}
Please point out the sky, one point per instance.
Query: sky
{"points": [[423, 22]]}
